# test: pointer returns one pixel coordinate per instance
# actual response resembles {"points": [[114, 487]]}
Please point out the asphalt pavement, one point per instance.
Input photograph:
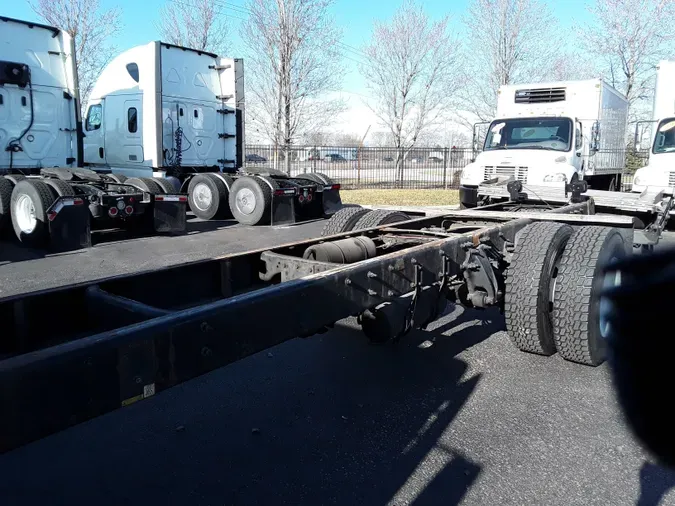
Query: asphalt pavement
{"points": [[450, 415], [24, 270], [453, 414]]}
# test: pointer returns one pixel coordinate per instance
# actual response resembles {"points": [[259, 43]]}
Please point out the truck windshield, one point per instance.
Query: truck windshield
{"points": [[529, 133], [664, 142]]}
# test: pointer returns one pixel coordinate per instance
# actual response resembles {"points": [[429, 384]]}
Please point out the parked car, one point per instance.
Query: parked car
{"points": [[416, 159], [437, 159], [252, 158], [388, 159], [334, 157]]}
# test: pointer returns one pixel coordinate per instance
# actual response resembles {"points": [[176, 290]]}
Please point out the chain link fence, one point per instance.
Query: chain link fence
{"points": [[376, 167]]}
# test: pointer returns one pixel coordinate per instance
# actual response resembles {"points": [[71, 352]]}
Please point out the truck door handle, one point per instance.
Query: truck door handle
{"points": [[100, 152]]}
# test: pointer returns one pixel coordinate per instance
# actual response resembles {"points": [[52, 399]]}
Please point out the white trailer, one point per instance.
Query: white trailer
{"points": [[550, 133], [659, 173]]}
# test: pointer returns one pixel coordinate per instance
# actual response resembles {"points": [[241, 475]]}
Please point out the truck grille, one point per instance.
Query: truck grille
{"points": [[538, 96], [492, 171], [671, 179]]}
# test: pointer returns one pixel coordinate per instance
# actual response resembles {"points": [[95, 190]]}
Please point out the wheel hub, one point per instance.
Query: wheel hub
{"points": [[202, 196], [245, 201], [24, 211], [610, 280]]}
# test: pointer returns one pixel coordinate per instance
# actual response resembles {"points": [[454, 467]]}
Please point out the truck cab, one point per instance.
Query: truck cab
{"points": [[161, 110], [39, 104], [550, 134], [659, 173]]}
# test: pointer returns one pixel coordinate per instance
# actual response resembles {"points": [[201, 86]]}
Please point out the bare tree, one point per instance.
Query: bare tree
{"points": [[91, 27], [629, 37], [346, 139], [509, 41], [380, 139], [572, 65], [195, 24], [411, 67], [292, 66]]}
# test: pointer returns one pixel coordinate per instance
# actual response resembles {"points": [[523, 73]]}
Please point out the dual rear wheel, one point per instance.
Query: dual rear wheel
{"points": [[553, 286]]}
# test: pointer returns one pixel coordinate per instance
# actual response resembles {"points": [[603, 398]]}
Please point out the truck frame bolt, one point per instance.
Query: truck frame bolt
{"points": [[372, 292], [390, 293], [371, 274], [348, 281]]}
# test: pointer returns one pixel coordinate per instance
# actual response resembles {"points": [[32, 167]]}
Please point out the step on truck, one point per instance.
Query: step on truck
{"points": [[45, 197], [548, 134], [176, 115], [79, 350]]}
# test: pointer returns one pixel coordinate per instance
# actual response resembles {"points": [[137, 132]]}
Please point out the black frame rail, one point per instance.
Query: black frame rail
{"points": [[148, 348]]}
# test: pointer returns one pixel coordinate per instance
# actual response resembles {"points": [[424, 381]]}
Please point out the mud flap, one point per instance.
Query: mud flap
{"points": [[332, 202], [69, 224], [283, 210], [170, 214]]}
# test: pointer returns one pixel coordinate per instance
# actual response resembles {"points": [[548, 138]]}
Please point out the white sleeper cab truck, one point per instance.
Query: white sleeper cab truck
{"points": [[39, 109], [552, 134], [659, 173], [173, 116], [45, 195]]}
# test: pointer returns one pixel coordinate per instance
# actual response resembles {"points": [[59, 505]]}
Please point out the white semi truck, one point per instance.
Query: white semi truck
{"points": [[659, 173], [177, 115], [164, 126], [45, 195], [551, 134]]}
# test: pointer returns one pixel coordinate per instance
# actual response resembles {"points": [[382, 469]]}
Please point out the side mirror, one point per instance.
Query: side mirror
{"points": [[595, 138]]}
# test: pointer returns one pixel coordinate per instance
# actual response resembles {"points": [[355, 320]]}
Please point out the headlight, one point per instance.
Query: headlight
{"points": [[637, 181], [555, 178]]}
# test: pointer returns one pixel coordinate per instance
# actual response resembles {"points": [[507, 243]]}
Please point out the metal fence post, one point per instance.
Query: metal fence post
{"points": [[445, 168]]}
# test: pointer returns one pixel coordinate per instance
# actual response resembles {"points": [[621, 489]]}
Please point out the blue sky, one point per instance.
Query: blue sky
{"points": [[354, 16]]}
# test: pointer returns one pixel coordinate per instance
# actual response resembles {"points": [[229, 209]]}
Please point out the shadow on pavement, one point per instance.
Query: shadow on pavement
{"points": [[325, 420], [655, 482]]}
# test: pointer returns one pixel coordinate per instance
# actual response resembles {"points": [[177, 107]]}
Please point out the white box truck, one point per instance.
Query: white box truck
{"points": [[659, 173], [551, 134]]}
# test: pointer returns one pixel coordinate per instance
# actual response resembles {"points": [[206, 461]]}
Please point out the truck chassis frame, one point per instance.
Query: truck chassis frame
{"points": [[77, 352]]}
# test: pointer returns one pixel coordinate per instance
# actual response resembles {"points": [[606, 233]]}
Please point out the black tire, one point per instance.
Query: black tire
{"points": [[260, 214], [529, 279], [118, 178], [466, 205], [344, 220], [164, 184], [577, 330], [60, 188], [380, 217], [145, 184], [214, 205], [42, 197], [316, 177], [6, 188], [15, 178]]}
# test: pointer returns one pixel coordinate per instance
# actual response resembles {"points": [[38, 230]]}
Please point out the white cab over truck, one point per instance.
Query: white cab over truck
{"points": [[659, 173], [175, 116], [552, 133]]}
